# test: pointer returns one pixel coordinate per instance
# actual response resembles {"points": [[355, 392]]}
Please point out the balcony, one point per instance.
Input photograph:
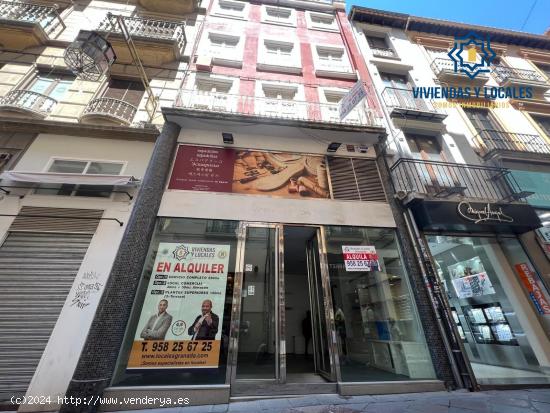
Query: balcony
{"points": [[402, 105], [274, 108], [110, 111], [501, 144], [170, 7], [27, 102], [419, 179], [24, 25], [384, 52], [510, 77], [157, 41], [444, 69]]}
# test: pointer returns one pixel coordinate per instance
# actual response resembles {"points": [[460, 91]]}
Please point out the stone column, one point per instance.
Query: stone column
{"points": [[98, 358]]}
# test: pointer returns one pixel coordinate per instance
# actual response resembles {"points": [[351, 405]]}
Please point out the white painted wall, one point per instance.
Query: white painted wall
{"points": [[62, 352]]}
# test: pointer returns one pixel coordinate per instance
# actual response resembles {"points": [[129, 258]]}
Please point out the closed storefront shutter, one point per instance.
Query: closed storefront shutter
{"points": [[37, 270], [355, 179]]}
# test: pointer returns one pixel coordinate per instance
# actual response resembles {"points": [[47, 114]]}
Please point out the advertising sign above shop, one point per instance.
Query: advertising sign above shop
{"points": [[356, 94], [475, 217], [281, 174], [534, 288], [180, 322]]}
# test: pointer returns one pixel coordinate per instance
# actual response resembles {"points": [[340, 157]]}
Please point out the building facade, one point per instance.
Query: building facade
{"points": [[73, 150], [245, 199], [467, 171]]}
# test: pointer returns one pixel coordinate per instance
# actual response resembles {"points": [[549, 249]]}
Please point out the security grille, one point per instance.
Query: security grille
{"points": [[355, 179]]}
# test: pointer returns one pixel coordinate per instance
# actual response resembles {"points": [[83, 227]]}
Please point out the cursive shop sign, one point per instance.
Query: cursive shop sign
{"points": [[484, 213]]}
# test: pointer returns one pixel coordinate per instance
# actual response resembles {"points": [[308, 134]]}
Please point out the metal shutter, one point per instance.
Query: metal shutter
{"points": [[37, 270], [355, 179]]}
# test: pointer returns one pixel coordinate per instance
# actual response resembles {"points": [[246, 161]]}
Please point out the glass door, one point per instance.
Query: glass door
{"points": [[321, 353], [258, 326]]}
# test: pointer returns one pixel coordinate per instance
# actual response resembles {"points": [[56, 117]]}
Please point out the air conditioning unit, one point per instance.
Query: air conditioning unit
{"points": [[204, 63]]}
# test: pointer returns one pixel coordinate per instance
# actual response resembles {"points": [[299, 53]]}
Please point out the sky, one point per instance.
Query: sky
{"points": [[522, 15]]}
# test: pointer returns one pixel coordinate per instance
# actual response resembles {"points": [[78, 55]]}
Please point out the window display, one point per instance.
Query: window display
{"points": [[379, 337], [478, 275]]}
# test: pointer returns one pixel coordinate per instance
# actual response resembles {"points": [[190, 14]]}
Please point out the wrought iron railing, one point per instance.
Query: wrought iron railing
{"points": [[148, 28], [503, 73], [274, 108], [491, 140], [28, 100], [443, 65], [404, 99], [383, 52], [112, 108], [47, 17], [436, 179]]}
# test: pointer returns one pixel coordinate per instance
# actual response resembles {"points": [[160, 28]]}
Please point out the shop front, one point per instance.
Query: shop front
{"points": [[273, 272], [497, 301]]}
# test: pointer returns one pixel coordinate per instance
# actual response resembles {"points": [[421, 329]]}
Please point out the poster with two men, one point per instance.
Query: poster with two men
{"points": [[181, 318]]}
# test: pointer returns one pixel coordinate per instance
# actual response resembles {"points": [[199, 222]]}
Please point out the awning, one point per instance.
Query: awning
{"points": [[76, 179]]}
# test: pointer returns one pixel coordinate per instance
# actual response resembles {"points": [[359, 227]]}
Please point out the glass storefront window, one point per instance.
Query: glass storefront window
{"points": [[378, 331], [476, 272], [208, 250]]}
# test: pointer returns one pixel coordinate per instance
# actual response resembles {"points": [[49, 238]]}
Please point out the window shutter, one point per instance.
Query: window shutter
{"points": [[355, 179]]}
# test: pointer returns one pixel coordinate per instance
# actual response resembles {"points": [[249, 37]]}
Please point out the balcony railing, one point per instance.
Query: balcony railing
{"points": [[45, 16], [434, 179], [383, 52], [274, 108], [148, 28], [111, 108], [504, 74], [494, 140], [442, 65], [29, 101], [404, 99]]}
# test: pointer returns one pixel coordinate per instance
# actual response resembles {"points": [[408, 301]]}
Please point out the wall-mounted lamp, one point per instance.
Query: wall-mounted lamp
{"points": [[228, 138], [333, 146]]}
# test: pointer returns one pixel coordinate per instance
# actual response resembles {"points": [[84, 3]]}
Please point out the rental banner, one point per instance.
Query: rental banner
{"points": [[182, 314]]}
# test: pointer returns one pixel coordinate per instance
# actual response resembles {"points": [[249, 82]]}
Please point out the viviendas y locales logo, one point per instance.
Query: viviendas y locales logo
{"points": [[473, 56]]}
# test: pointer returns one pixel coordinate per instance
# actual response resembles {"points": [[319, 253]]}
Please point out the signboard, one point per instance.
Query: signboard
{"points": [[356, 94], [473, 285], [283, 174], [474, 216], [360, 258], [199, 168], [534, 288], [182, 314]]}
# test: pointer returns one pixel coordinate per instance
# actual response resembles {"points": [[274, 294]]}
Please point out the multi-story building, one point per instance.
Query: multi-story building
{"points": [[471, 175], [72, 152], [262, 177]]}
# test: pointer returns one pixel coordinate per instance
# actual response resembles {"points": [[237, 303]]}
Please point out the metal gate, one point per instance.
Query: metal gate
{"points": [[37, 270]]}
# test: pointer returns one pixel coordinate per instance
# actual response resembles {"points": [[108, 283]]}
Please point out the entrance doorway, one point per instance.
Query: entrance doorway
{"points": [[280, 331]]}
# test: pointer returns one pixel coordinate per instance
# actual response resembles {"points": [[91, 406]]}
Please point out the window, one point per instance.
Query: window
{"points": [[84, 167], [331, 110], [230, 8], [544, 69], [543, 122], [225, 48], [487, 127], [278, 48], [395, 81], [280, 101], [379, 46], [53, 86], [279, 15], [330, 54], [321, 21], [124, 90], [213, 94]]}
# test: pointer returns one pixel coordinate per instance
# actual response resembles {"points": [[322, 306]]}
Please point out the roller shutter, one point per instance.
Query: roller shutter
{"points": [[37, 270]]}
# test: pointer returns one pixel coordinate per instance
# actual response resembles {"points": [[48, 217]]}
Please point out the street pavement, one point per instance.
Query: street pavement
{"points": [[493, 401]]}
